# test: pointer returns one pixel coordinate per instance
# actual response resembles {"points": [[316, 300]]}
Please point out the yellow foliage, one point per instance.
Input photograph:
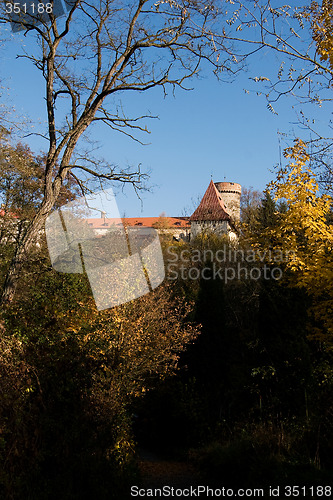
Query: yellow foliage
{"points": [[322, 29], [304, 231]]}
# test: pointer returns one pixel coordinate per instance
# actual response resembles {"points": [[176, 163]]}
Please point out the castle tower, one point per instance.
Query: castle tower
{"points": [[211, 213], [230, 194]]}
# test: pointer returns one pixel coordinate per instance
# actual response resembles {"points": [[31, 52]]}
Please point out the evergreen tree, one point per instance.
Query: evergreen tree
{"points": [[267, 213]]}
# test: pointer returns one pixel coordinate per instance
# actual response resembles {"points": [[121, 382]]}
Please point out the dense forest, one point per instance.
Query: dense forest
{"points": [[227, 364], [226, 368]]}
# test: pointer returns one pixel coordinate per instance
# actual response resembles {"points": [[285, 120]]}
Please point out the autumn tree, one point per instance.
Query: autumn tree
{"points": [[321, 17], [21, 180], [284, 30], [322, 26], [100, 52], [260, 212], [68, 377], [21, 192], [304, 234], [299, 39]]}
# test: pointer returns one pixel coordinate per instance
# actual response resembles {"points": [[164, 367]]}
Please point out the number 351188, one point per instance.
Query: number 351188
{"points": [[31, 7]]}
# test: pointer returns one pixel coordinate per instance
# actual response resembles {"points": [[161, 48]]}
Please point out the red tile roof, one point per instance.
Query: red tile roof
{"points": [[211, 207], [3, 213], [156, 222]]}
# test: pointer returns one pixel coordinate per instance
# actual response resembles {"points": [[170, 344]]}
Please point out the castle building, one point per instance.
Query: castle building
{"points": [[218, 210], [231, 194], [179, 227]]}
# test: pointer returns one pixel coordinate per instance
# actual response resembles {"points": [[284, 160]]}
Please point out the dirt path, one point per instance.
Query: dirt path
{"points": [[157, 472]]}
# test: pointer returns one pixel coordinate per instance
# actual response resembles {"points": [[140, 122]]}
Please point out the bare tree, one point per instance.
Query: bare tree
{"points": [[104, 49], [249, 204], [299, 37], [101, 50], [290, 32]]}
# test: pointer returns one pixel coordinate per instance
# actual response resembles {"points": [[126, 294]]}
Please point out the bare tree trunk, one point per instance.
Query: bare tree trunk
{"points": [[23, 247], [185, 32]]}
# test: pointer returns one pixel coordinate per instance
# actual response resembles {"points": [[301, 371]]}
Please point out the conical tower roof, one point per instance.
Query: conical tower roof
{"points": [[211, 207]]}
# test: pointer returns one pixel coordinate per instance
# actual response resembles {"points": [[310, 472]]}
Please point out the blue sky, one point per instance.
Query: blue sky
{"points": [[215, 130]]}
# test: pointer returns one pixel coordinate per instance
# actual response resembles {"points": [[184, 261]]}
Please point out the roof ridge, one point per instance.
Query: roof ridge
{"points": [[211, 206]]}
